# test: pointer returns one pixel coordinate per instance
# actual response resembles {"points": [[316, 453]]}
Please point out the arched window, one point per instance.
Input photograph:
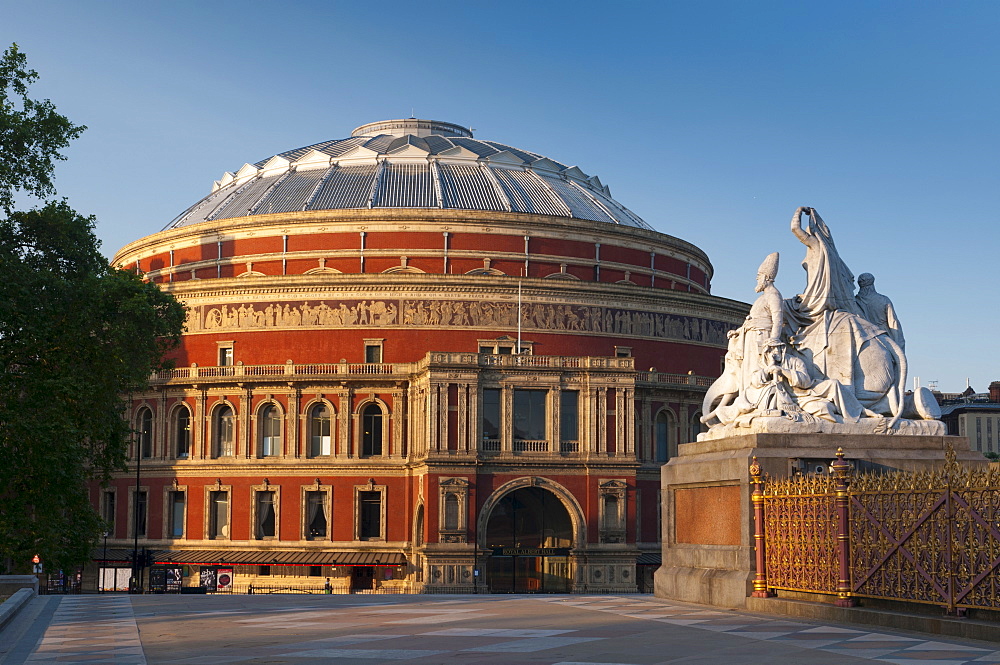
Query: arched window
{"points": [[145, 423], [371, 431], [182, 433], [224, 432], [697, 427], [664, 445], [451, 512], [320, 442], [270, 431]]}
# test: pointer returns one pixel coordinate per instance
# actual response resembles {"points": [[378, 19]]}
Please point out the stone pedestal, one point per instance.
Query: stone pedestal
{"points": [[707, 526], [450, 568]]}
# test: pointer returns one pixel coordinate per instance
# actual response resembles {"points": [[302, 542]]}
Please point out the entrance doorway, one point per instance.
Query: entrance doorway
{"points": [[362, 578], [530, 533]]}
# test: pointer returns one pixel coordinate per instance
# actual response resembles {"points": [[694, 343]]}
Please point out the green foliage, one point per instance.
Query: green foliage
{"points": [[76, 336], [992, 456], [31, 133]]}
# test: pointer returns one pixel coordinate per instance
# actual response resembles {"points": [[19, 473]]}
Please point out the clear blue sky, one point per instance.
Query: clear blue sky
{"points": [[711, 120]]}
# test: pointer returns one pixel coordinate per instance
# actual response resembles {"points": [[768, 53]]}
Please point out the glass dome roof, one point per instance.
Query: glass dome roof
{"points": [[409, 163]]}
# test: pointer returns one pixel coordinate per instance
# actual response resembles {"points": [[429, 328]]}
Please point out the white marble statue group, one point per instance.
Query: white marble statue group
{"points": [[828, 360]]}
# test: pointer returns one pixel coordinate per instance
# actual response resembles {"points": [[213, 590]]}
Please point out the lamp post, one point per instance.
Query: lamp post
{"points": [[136, 567], [104, 569]]}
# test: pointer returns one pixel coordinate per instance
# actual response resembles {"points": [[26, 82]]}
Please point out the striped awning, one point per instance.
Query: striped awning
{"points": [[113, 555], [279, 558], [649, 559]]}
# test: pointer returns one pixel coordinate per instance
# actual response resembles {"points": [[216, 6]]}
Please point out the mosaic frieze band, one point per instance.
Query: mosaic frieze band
{"points": [[455, 313]]}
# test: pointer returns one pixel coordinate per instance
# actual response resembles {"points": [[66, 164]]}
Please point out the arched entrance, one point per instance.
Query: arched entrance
{"points": [[529, 532]]}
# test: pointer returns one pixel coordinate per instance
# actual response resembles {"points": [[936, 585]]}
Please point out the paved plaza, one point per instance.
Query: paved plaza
{"points": [[498, 630]]}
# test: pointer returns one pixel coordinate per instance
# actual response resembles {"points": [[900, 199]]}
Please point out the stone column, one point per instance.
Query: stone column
{"points": [[398, 420], [160, 441], [474, 418], [294, 396], [244, 438], [462, 443], [441, 407], [507, 417], [198, 425], [602, 422], [631, 437], [644, 434]]}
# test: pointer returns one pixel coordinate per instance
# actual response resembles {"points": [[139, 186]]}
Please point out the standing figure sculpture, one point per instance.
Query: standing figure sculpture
{"points": [[878, 309], [829, 282]]}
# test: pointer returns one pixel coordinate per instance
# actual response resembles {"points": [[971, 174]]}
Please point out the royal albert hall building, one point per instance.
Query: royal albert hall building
{"points": [[415, 360]]}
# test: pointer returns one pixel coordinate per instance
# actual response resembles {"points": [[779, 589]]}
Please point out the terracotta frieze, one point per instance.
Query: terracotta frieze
{"points": [[453, 313]]}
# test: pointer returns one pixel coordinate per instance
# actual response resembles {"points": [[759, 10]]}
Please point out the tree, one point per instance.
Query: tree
{"points": [[76, 337]]}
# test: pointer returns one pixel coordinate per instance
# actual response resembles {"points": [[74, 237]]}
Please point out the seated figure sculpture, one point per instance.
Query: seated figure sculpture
{"points": [[815, 363]]}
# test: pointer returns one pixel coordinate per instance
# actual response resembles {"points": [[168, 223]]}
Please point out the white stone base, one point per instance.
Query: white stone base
{"points": [[786, 425]]}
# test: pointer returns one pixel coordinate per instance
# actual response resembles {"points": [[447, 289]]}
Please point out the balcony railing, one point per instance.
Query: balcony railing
{"points": [[549, 362], [674, 379], [288, 369], [319, 370], [526, 446]]}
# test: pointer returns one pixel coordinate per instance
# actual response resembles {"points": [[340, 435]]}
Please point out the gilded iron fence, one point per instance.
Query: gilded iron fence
{"points": [[925, 537], [800, 526]]}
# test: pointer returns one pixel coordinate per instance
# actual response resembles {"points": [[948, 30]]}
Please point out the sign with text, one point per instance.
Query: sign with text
{"points": [[530, 551]]}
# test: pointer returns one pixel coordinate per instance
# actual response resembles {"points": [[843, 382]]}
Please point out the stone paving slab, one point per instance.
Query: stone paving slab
{"points": [[477, 630]]}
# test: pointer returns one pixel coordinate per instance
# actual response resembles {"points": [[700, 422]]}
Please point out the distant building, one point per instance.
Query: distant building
{"points": [[417, 360], [975, 416]]}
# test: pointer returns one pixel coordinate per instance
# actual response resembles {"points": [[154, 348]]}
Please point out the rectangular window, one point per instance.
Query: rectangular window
{"points": [[373, 353], [266, 518], [225, 356], [139, 523], [264, 571], [623, 351], [569, 415], [491, 414], [315, 571], [369, 515], [108, 511], [316, 515], [529, 415], [177, 502], [486, 349], [218, 515]]}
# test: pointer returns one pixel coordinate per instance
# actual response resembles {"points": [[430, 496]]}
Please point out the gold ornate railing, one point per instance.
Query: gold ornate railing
{"points": [[931, 537], [924, 537], [801, 532]]}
